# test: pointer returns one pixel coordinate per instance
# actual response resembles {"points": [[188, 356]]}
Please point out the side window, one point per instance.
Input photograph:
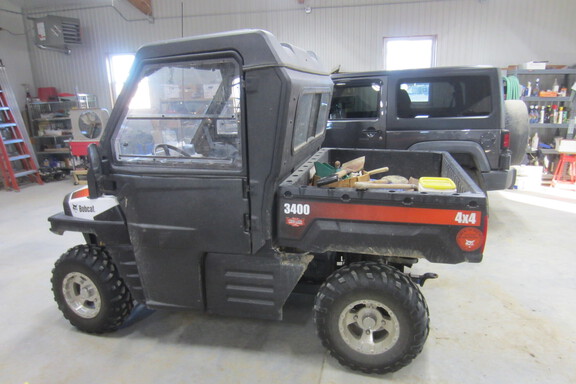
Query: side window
{"points": [[311, 117], [355, 101], [457, 96], [418, 92], [191, 121]]}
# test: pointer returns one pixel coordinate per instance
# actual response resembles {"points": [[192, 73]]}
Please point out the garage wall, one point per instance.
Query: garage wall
{"points": [[14, 51], [470, 32]]}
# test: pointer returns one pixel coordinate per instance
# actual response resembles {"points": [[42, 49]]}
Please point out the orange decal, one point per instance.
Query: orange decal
{"points": [[409, 215], [84, 192], [295, 222], [470, 239]]}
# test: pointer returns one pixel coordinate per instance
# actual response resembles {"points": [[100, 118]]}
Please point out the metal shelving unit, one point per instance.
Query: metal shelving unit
{"points": [[547, 132], [565, 76], [51, 128]]}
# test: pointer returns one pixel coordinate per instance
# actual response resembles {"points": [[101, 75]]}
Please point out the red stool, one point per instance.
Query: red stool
{"points": [[79, 148], [566, 170]]}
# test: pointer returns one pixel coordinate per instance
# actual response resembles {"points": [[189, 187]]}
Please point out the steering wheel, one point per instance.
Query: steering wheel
{"points": [[167, 148]]}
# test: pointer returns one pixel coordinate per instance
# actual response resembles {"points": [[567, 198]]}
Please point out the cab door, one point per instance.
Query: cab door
{"points": [[179, 171], [357, 117]]}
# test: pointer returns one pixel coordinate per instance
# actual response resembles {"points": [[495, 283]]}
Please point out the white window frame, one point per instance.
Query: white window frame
{"points": [[115, 83], [410, 39], [116, 80]]}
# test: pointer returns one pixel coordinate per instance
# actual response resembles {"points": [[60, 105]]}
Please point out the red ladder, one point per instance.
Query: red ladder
{"points": [[16, 160]]}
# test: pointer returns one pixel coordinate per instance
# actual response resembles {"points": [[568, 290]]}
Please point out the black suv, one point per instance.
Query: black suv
{"points": [[459, 110]]}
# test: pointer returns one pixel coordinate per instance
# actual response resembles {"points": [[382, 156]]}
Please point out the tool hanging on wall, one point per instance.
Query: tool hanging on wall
{"points": [[16, 159]]}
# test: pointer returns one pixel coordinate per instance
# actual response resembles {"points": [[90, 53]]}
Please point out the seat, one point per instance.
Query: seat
{"points": [[403, 104]]}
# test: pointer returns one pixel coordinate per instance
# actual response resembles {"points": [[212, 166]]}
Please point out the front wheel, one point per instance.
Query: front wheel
{"points": [[371, 317], [89, 291]]}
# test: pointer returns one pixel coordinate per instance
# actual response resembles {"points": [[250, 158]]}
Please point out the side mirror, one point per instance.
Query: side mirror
{"points": [[94, 171]]}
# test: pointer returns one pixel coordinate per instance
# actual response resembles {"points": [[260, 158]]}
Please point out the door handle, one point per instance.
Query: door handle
{"points": [[371, 132]]}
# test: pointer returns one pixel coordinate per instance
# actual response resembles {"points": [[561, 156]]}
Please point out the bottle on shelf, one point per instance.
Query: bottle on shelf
{"points": [[532, 114], [554, 118], [536, 89], [556, 86], [534, 142], [528, 91]]}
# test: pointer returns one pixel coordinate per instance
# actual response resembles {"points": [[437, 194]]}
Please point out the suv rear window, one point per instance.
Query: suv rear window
{"points": [[454, 96]]}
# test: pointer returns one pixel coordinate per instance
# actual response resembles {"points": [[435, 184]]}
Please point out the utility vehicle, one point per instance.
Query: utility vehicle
{"points": [[201, 196]]}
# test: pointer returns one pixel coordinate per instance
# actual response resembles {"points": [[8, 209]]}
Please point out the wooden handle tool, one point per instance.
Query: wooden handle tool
{"points": [[370, 185], [355, 165], [377, 170]]}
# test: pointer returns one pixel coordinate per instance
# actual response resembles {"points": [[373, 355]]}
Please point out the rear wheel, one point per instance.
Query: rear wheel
{"points": [[371, 317], [89, 290]]}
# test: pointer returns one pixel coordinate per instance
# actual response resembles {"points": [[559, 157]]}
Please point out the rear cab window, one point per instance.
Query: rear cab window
{"points": [[311, 116]]}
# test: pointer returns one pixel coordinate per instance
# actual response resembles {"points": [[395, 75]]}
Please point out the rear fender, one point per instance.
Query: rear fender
{"points": [[470, 148]]}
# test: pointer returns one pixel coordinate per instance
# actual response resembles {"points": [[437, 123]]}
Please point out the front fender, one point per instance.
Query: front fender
{"points": [[111, 232]]}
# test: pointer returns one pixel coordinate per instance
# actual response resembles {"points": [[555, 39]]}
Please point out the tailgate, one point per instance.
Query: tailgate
{"points": [[446, 228]]}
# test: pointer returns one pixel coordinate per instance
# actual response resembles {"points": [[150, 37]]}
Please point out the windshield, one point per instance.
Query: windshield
{"points": [[187, 114]]}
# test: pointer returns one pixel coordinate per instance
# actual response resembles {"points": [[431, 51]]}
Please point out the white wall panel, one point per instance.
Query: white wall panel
{"points": [[343, 33], [14, 51]]}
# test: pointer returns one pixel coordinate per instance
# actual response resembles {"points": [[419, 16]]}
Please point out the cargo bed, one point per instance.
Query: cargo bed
{"points": [[440, 227]]}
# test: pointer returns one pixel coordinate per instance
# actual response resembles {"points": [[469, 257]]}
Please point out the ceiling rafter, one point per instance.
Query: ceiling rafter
{"points": [[144, 6]]}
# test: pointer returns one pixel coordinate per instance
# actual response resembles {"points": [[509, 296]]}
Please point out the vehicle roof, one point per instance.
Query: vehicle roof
{"points": [[258, 48], [435, 71]]}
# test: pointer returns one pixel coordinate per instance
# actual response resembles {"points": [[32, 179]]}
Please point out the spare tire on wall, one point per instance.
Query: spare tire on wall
{"points": [[517, 123]]}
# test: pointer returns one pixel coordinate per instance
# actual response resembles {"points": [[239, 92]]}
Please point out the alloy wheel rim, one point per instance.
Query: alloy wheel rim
{"points": [[369, 327], [81, 295]]}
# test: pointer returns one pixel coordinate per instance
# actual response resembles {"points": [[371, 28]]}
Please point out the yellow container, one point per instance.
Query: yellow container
{"points": [[436, 184]]}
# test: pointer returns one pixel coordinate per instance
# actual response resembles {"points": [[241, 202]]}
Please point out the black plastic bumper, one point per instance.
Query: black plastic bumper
{"points": [[497, 180], [434, 243], [113, 231]]}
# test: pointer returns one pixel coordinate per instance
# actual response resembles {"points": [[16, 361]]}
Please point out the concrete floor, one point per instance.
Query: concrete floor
{"points": [[509, 319]]}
